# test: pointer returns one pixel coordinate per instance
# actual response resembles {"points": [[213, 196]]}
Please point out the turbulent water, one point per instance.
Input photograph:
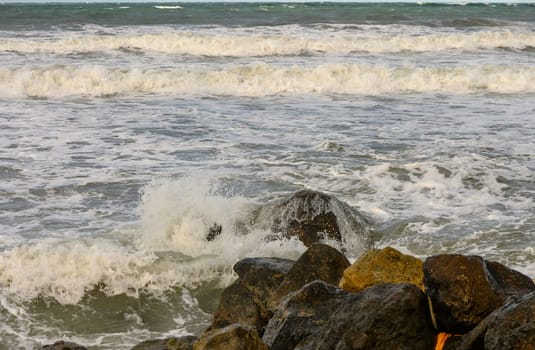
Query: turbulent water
{"points": [[127, 130]]}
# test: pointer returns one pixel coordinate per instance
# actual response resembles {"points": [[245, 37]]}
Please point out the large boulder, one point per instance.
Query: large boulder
{"points": [[385, 265], [511, 327], [311, 216], [233, 337], [463, 290], [63, 345], [173, 343], [319, 262], [384, 316], [245, 300], [302, 314]]}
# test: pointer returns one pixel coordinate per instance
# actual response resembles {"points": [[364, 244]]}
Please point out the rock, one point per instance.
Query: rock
{"points": [[510, 282], [465, 289], [245, 300], [181, 343], [511, 327], [311, 216], [63, 345], [302, 314], [213, 232], [384, 316], [233, 337], [319, 262], [385, 265]]}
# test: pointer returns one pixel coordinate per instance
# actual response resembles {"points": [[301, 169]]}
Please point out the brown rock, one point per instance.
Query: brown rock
{"points": [[311, 216], [245, 300], [465, 289], [512, 327], [233, 337], [63, 345], [385, 265], [181, 343], [319, 262]]}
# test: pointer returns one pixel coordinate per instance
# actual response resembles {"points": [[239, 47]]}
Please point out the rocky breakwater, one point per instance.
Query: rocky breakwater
{"points": [[384, 300]]}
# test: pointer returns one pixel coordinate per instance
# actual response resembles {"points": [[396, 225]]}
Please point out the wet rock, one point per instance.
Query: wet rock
{"points": [[511, 327], [510, 282], [302, 314], [382, 266], [245, 300], [213, 232], [233, 337], [180, 343], [319, 262], [465, 289], [63, 345], [311, 216], [384, 316]]}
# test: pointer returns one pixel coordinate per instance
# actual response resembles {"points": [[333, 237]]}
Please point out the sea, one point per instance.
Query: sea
{"points": [[128, 129]]}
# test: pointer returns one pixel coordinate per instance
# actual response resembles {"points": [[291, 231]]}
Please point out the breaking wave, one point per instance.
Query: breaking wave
{"points": [[263, 80], [241, 45]]}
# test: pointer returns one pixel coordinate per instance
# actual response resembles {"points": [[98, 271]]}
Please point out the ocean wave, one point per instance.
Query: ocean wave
{"points": [[240, 45], [262, 80], [169, 249], [168, 7]]}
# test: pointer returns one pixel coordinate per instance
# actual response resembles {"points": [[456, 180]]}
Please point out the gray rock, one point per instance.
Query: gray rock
{"points": [[384, 316], [302, 314], [245, 300]]}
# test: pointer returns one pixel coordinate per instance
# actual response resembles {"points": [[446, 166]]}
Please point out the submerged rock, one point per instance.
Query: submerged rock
{"points": [[319, 262], [181, 343], [63, 345], [465, 289], [382, 266], [384, 316], [233, 337], [245, 300], [302, 314], [311, 216]]}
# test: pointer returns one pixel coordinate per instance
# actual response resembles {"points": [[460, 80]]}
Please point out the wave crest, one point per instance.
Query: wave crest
{"points": [[241, 45], [263, 80]]}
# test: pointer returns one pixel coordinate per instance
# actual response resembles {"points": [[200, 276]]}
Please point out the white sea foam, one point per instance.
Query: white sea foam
{"points": [[168, 7], [170, 250], [206, 43], [263, 80]]}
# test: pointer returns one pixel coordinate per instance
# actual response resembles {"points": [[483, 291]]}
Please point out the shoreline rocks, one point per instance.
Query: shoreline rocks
{"points": [[385, 300], [279, 304]]}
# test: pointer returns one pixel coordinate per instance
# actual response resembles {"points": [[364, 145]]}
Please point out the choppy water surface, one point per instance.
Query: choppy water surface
{"points": [[128, 130]]}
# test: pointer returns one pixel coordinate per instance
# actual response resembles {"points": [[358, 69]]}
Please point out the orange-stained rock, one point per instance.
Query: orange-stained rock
{"points": [[385, 265]]}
